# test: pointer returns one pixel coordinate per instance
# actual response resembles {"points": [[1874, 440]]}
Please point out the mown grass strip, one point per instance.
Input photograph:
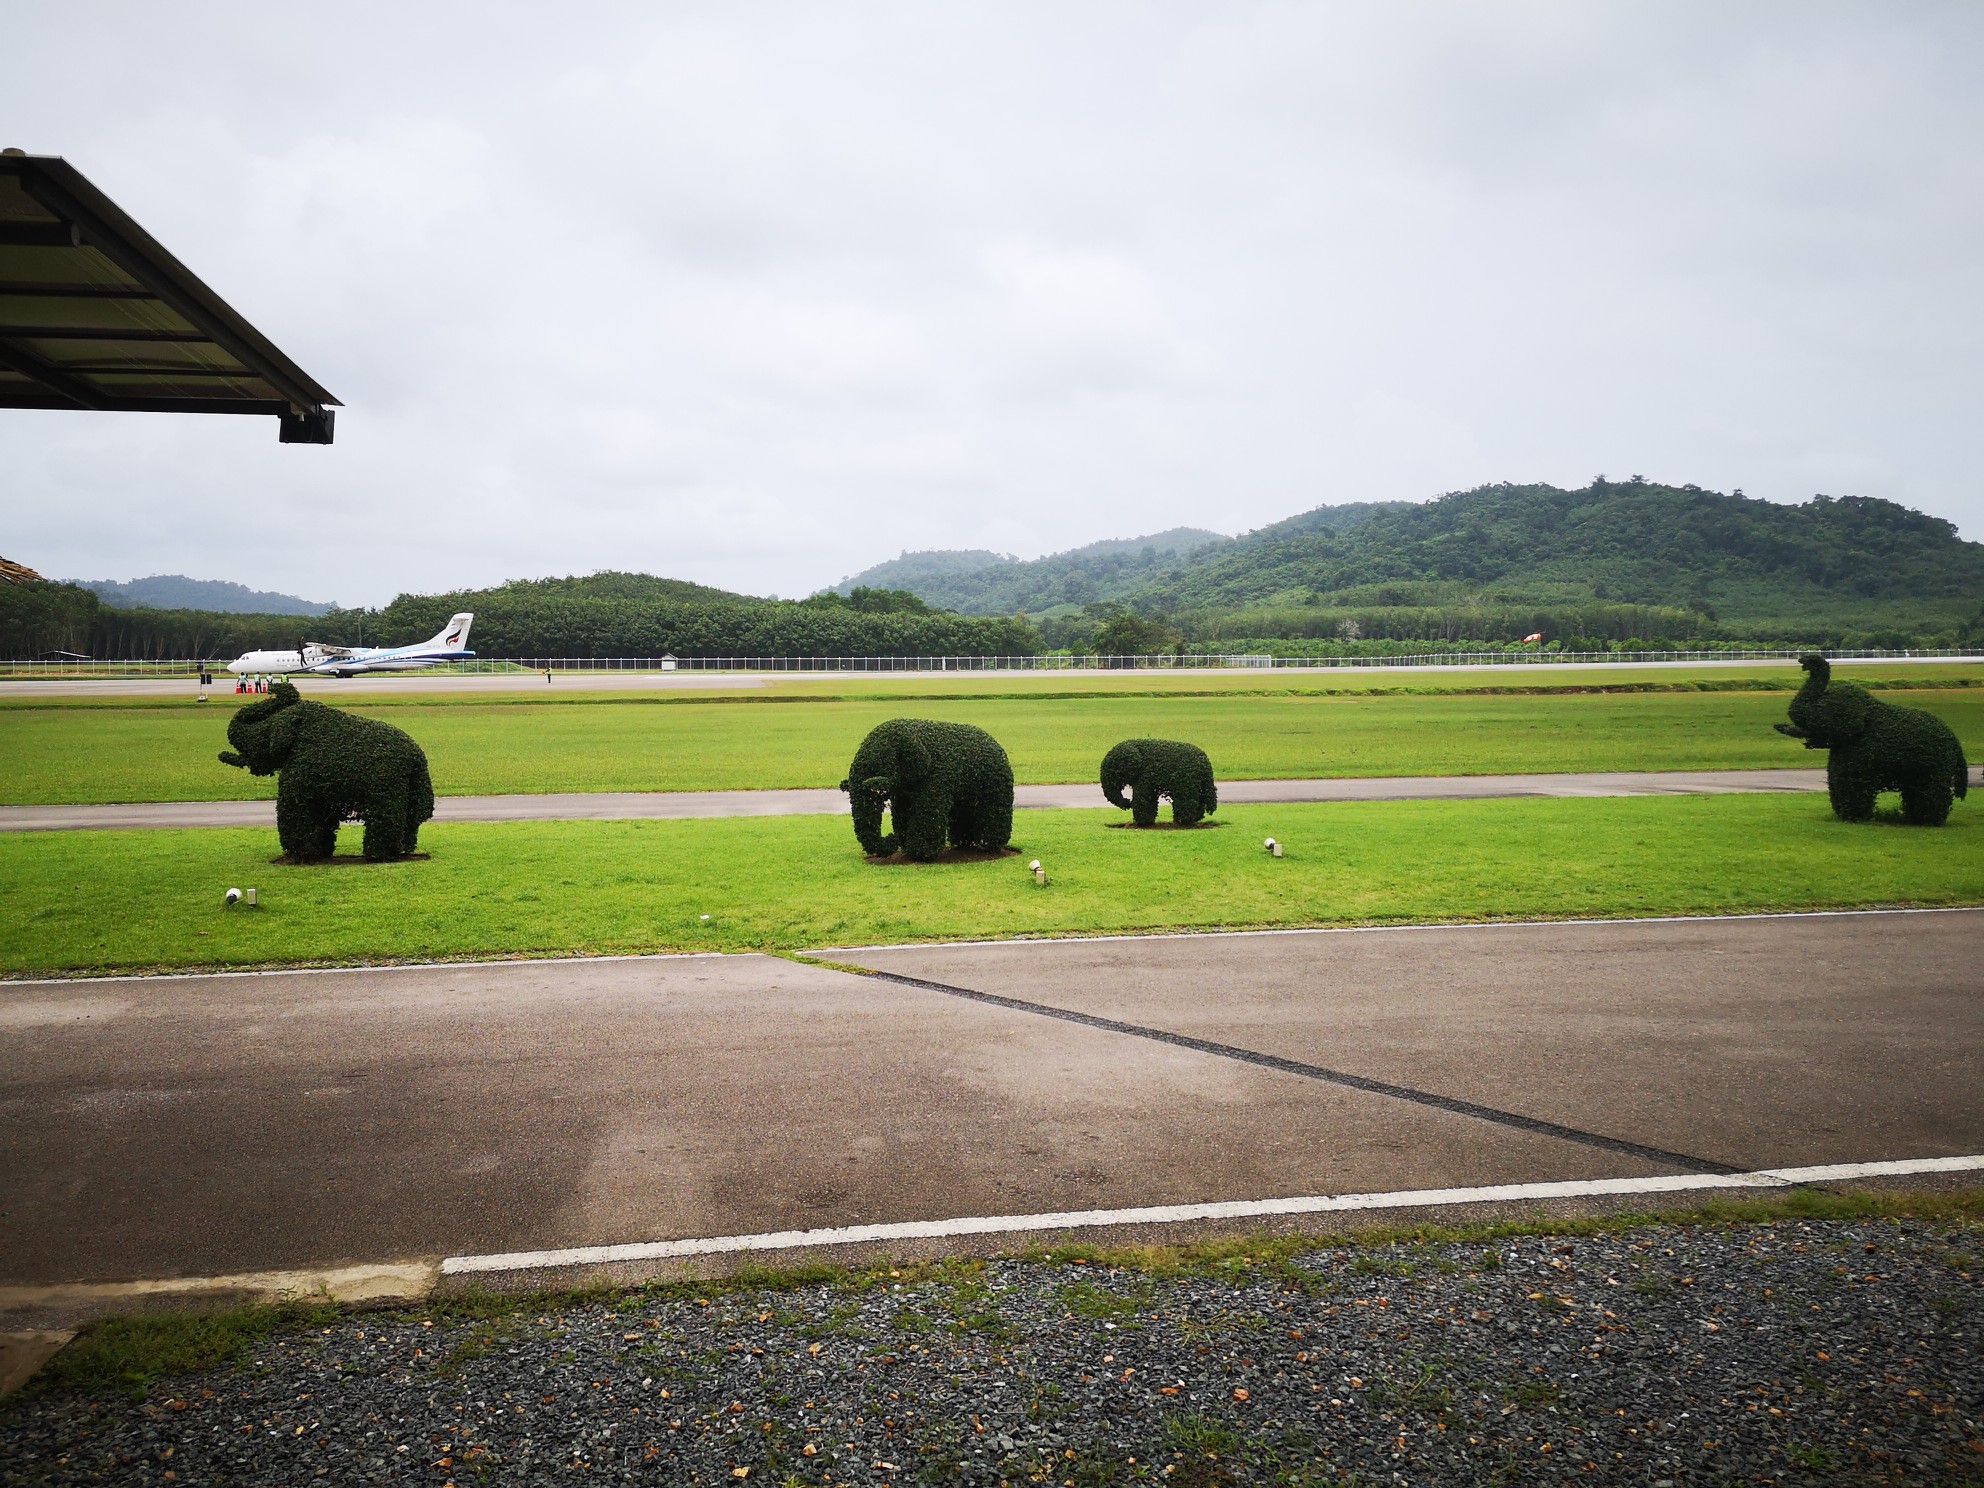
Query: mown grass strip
{"points": [[102, 754], [81, 902]]}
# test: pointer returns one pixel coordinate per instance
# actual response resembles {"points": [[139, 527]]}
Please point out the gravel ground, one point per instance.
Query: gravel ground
{"points": [[1788, 1352]]}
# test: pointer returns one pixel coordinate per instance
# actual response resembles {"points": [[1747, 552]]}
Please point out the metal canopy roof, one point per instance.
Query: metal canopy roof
{"points": [[95, 314]]}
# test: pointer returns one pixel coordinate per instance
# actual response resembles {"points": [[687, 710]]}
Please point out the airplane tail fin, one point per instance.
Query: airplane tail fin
{"points": [[454, 635]]}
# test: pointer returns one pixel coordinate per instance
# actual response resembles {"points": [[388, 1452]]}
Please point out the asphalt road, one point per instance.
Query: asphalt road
{"points": [[198, 1126], [626, 805]]}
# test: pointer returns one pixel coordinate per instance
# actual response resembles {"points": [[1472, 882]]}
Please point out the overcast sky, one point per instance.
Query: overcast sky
{"points": [[762, 294]]}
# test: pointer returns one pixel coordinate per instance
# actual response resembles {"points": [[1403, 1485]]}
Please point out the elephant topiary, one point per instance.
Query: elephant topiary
{"points": [[939, 781], [1152, 768], [1877, 747], [332, 766]]}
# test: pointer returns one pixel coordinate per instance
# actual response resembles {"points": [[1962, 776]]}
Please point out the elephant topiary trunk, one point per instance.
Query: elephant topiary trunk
{"points": [[939, 781], [332, 766], [1877, 746], [1151, 769]]}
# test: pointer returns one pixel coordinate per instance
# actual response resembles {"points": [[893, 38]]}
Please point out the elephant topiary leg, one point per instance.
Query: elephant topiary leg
{"points": [[385, 830], [1928, 803], [983, 824], [1186, 809], [306, 829], [1143, 805], [1851, 792], [419, 800], [920, 827], [868, 826]]}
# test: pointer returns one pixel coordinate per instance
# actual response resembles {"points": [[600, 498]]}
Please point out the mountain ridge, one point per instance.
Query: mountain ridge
{"points": [[1821, 566], [212, 596], [1000, 584]]}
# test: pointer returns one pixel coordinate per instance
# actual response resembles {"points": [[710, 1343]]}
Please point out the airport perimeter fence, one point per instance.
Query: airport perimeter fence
{"points": [[1162, 661]]}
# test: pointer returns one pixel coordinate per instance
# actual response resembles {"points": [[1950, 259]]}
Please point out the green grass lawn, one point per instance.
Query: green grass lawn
{"points": [[97, 901], [151, 752]]}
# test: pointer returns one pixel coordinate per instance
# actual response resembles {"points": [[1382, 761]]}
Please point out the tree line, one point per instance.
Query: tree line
{"points": [[536, 618]]}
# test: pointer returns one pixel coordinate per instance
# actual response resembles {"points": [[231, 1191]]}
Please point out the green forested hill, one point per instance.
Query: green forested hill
{"points": [[981, 583], [1614, 558], [623, 614], [1735, 558]]}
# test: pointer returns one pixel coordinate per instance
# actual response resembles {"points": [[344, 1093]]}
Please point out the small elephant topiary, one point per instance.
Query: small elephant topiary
{"points": [[1877, 747], [939, 780], [1153, 768], [332, 766]]}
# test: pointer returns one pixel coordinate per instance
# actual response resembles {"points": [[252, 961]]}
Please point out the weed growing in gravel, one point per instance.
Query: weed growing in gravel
{"points": [[1201, 1434], [1373, 1265], [1099, 1304], [1813, 1459], [1413, 1388], [972, 1310], [1531, 1394], [477, 1343], [130, 1354]]}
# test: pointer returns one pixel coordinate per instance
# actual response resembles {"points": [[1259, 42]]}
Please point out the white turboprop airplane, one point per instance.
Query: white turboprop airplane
{"points": [[347, 661]]}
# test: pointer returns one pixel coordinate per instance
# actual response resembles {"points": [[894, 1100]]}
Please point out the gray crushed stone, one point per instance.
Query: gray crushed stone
{"points": [[1790, 1352]]}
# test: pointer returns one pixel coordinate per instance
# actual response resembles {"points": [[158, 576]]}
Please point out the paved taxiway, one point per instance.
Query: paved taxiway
{"points": [[631, 805], [196, 1126]]}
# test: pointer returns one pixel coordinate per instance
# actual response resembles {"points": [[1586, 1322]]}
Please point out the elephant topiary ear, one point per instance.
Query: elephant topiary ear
{"points": [[1849, 710], [282, 736], [876, 785], [913, 760]]}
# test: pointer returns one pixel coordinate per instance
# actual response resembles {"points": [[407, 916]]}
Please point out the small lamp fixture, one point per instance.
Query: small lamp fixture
{"points": [[1039, 873], [232, 897], [1273, 847]]}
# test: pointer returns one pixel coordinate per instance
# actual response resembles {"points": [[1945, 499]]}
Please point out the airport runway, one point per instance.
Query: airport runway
{"points": [[330, 689], [631, 681], [634, 805], [213, 1125]]}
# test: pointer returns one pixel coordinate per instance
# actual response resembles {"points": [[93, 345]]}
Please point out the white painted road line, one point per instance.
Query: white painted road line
{"points": [[1419, 1198]]}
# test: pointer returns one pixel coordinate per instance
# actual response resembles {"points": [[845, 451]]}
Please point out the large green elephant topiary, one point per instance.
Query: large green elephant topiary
{"points": [[332, 766], [1877, 747], [939, 780], [1153, 768]]}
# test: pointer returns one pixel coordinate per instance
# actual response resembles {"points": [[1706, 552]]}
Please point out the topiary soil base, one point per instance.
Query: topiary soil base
{"points": [[948, 855], [1163, 826], [346, 860]]}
